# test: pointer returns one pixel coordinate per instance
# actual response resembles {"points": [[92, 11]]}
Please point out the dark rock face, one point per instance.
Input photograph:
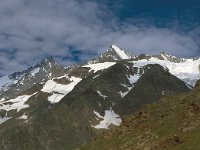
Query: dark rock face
{"points": [[153, 84], [197, 85]]}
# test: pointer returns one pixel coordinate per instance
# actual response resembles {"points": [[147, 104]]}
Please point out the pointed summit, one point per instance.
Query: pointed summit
{"points": [[167, 57], [46, 69], [120, 52], [114, 53], [48, 62]]}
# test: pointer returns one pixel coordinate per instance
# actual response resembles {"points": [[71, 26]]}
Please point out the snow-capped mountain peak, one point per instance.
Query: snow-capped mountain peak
{"points": [[20, 81], [114, 53], [167, 57], [121, 53]]}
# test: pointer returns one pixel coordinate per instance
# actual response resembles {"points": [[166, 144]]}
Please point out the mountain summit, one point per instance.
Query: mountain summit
{"points": [[114, 53]]}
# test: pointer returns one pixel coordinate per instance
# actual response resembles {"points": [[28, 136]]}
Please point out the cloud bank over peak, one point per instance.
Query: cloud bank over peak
{"points": [[32, 30]]}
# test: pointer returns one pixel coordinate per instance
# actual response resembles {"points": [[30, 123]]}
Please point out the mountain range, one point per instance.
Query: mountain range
{"points": [[52, 107]]}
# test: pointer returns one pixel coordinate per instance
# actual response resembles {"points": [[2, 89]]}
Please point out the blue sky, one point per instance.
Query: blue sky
{"points": [[74, 30]]}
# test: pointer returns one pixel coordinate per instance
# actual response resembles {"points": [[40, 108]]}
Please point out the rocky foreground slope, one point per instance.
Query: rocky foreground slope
{"points": [[49, 106]]}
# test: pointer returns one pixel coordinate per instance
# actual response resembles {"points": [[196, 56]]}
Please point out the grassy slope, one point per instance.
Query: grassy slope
{"points": [[173, 123]]}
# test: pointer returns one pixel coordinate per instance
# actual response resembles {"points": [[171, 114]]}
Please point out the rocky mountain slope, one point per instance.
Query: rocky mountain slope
{"points": [[49, 106], [172, 123]]}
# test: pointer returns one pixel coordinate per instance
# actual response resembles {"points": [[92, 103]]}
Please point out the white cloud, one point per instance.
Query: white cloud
{"points": [[31, 30]]}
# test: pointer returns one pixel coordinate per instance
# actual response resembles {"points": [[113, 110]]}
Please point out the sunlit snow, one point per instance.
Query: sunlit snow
{"points": [[17, 103], [132, 79], [4, 119], [109, 118], [188, 71], [23, 117], [35, 71], [104, 96], [99, 66], [59, 90], [96, 76], [120, 52]]}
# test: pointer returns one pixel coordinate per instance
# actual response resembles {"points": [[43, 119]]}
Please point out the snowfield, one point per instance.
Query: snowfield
{"points": [[17, 103], [120, 52], [5, 82], [132, 79], [109, 118], [187, 71], [99, 66], [59, 90]]}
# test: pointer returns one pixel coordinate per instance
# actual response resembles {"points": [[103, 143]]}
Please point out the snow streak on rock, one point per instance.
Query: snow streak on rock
{"points": [[104, 96], [132, 79], [120, 52], [35, 71], [99, 66]]}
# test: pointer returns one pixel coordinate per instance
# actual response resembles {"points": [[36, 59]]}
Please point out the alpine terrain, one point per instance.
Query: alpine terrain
{"points": [[116, 101]]}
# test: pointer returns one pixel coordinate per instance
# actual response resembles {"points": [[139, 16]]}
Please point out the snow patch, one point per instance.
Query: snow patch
{"points": [[59, 90], [98, 115], [164, 57], [55, 98], [17, 103], [5, 82], [96, 76], [188, 71], [120, 52], [1, 100], [124, 93], [99, 66], [50, 65], [35, 71], [132, 79], [64, 76], [23, 117], [4, 119], [109, 118], [104, 96]]}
